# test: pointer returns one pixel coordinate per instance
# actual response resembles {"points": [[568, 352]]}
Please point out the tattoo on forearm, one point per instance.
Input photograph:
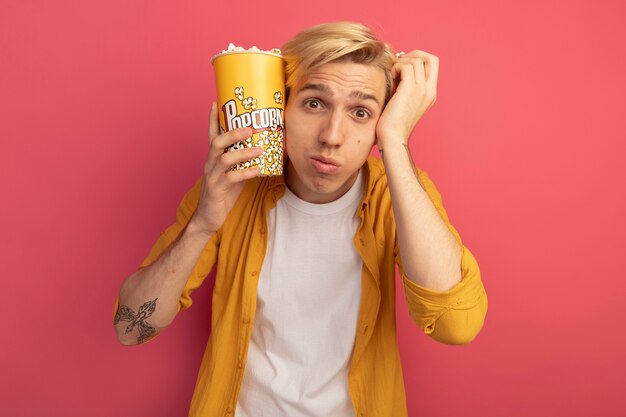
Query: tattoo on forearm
{"points": [[125, 313]]}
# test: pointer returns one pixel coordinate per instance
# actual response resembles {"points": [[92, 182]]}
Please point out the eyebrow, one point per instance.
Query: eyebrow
{"points": [[322, 88]]}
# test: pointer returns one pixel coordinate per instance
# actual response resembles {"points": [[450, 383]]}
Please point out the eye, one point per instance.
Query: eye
{"points": [[361, 113], [312, 103]]}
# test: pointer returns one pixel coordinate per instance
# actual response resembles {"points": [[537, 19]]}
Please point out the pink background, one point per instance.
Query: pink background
{"points": [[103, 121]]}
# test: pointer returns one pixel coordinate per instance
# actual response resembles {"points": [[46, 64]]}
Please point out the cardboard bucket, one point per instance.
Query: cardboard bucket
{"points": [[251, 92]]}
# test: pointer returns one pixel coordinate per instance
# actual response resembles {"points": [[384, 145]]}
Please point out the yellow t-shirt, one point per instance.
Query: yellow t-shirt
{"points": [[375, 379]]}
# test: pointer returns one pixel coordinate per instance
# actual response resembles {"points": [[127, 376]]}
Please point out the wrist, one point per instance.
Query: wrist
{"points": [[198, 228], [393, 150], [391, 140]]}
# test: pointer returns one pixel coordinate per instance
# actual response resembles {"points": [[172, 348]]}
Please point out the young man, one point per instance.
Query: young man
{"points": [[303, 320]]}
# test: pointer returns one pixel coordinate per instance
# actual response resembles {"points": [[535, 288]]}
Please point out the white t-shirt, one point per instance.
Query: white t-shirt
{"points": [[308, 301]]}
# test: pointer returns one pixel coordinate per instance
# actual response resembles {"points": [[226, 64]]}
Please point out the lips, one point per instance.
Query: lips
{"points": [[324, 165]]}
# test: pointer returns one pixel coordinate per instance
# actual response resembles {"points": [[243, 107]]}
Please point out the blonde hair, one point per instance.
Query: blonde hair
{"points": [[333, 42]]}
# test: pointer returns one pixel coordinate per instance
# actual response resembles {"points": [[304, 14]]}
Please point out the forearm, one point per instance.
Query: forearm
{"points": [[158, 287], [431, 255]]}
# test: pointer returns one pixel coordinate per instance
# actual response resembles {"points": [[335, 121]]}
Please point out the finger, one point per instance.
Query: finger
{"points": [[394, 72], [240, 175], [404, 71], [431, 65], [223, 141], [220, 143], [432, 72], [420, 71], [416, 61], [416, 53], [230, 158], [214, 123]]}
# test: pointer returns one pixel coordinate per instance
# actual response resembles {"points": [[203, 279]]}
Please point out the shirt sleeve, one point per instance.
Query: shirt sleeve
{"points": [[203, 267], [457, 315]]}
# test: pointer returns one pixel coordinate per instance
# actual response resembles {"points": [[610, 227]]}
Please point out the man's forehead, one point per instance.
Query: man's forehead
{"points": [[357, 81], [328, 91]]}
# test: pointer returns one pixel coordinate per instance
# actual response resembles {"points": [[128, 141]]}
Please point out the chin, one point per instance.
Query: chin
{"points": [[322, 186]]}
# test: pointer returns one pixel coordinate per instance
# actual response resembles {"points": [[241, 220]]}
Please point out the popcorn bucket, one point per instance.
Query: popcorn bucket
{"points": [[250, 92]]}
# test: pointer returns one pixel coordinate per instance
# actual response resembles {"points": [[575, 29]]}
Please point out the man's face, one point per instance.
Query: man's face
{"points": [[330, 122]]}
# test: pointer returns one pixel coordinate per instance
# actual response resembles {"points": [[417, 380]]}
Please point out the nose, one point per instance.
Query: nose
{"points": [[332, 133]]}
